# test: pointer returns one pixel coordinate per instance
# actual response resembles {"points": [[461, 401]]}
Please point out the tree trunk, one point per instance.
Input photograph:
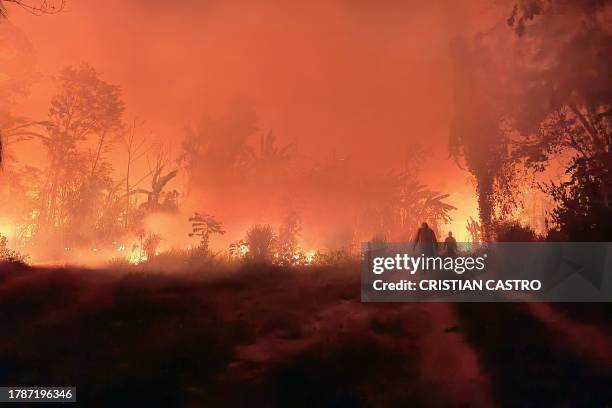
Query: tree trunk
{"points": [[484, 190]]}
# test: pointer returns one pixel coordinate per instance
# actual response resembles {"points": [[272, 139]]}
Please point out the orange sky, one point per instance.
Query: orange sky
{"points": [[365, 78]]}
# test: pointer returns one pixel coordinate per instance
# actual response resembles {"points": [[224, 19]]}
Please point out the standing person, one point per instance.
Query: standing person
{"points": [[426, 240], [450, 245]]}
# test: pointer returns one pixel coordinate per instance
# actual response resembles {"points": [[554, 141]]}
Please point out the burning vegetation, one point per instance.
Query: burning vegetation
{"points": [[82, 198], [104, 179]]}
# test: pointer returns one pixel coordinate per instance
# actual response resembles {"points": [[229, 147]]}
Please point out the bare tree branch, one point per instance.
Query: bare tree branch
{"points": [[37, 8]]}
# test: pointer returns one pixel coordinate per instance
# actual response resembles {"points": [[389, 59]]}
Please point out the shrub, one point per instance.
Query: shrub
{"points": [[260, 240], [331, 258], [9, 255], [203, 226], [513, 231]]}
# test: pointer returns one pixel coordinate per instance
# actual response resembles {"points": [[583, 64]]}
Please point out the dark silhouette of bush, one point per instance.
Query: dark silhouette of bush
{"points": [[8, 255], [261, 241], [513, 231]]}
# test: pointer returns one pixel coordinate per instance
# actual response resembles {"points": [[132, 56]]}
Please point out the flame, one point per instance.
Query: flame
{"points": [[310, 256], [136, 257]]}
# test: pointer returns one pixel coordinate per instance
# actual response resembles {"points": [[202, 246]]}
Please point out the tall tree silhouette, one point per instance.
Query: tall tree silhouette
{"points": [[85, 109], [565, 107], [476, 137]]}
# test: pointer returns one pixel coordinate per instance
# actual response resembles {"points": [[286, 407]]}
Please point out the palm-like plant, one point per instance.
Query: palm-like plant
{"points": [[399, 204], [268, 159], [204, 225]]}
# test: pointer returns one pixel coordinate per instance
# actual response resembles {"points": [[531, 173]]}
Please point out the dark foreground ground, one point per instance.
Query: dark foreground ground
{"points": [[275, 337]]}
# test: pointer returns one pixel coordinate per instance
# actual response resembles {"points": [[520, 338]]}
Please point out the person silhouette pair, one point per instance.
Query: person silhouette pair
{"points": [[427, 242]]}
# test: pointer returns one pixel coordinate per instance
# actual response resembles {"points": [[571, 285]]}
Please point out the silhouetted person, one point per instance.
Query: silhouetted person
{"points": [[450, 245], [426, 240]]}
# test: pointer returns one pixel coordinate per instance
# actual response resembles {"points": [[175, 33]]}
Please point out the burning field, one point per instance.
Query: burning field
{"points": [[270, 336]]}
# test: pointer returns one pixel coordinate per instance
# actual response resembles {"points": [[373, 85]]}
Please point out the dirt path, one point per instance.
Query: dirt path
{"points": [[449, 362], [446, 363]]}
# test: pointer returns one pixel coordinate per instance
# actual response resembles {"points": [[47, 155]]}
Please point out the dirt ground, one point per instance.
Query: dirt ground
{"points": [[267, 336]]}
